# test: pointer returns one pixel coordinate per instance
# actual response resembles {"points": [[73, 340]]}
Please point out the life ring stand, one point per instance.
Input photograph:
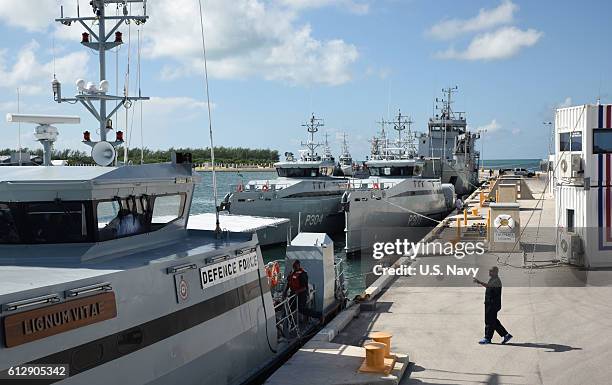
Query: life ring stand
{"points": [[273, 273]]}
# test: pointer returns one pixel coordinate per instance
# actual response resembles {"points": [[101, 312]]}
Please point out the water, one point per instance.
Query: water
{"points": [[358, 269], [530, 164], [203, 202]]}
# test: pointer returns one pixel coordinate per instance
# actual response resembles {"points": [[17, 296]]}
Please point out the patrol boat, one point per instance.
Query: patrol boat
{"points": [[100, 275], [396, 197], [449, 147], [306, 190], [345, 159]]}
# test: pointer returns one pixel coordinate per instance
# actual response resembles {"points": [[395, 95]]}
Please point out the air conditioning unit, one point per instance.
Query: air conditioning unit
{"points": [[569, 248], [571, 166]]}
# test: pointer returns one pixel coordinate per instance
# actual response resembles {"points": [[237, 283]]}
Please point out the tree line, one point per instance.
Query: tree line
{"points": [[239, 155]]}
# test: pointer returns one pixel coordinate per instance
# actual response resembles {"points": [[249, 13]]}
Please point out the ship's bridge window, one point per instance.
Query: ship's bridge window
{"points": [[298, 172], [167, 208], [602, 141], [44, 222], [570, 141], [123, 217], [396, 171]]}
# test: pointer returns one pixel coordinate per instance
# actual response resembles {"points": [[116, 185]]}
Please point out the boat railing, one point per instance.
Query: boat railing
{"points": [[288, 321], [366, 185]]}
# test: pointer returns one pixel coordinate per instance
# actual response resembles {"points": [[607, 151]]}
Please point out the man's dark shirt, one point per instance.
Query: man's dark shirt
{"points": [[493, 293]]}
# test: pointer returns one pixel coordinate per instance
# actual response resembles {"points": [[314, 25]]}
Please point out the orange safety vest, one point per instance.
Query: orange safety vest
{"points": [[294, 281]]}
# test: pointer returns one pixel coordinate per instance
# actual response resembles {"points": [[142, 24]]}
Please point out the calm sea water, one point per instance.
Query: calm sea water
{"points": [[356, 268], [530, 164]]}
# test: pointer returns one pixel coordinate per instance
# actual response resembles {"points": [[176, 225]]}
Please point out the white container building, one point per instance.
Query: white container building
{"points": [[583, 175]]}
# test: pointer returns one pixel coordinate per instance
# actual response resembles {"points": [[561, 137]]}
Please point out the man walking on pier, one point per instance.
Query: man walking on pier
{"points": [[492, 306]]}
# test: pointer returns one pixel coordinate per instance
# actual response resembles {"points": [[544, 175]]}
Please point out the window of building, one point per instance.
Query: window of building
{"points": [[602, 141], [570, 141], [570, 220]]}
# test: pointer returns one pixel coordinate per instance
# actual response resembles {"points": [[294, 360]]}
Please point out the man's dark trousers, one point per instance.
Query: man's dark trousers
{"points": [[492, 324]]}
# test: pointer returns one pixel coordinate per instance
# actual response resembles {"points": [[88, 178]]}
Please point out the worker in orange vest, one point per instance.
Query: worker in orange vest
{"points": [[297, 282]]}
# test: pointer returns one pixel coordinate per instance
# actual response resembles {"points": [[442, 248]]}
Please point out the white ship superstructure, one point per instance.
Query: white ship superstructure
{"points": [[395, 196], [449, 147], [306, 190]]}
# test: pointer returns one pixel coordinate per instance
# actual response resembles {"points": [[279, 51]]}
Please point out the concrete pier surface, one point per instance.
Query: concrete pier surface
{"points": [[560, 316]]}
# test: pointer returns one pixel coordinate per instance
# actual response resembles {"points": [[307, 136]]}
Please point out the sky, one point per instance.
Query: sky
{"points": [[350, 62]]}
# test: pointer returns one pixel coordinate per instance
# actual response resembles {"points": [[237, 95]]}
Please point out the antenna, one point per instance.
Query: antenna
{"points": [[101, 41], [312, 126], [45, 133]]}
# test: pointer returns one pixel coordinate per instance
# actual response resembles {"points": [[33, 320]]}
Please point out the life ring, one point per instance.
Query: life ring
{"points": [[240, 188], [265, 187], [504, 221], [273, 273], [375, 186]]}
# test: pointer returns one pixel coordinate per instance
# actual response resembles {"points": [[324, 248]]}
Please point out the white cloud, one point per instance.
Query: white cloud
{"points": [[486, 19], [245, 38], [500, 44], [358, 7], [33, 15], [33, 76], [490, 127], [566, 103]]}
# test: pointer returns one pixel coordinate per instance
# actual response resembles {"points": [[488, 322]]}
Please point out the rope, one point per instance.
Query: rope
{"points": [[210, 130]]}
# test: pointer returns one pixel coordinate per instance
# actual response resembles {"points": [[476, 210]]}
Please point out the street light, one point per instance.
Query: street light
{"points": [[551, 138]]}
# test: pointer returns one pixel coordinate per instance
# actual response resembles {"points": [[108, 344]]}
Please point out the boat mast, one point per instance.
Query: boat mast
{"points": [[312, 126], [101, 42]]}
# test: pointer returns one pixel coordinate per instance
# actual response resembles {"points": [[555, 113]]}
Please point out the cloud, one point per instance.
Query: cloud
{"points": [[245, 38], [486, 19], [33, 15], [490, 127], [357, 7], [500, 44], [33, 76], [566, 103]]}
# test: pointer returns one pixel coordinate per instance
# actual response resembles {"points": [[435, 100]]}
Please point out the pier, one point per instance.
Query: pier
{"points": [[560, 315]]}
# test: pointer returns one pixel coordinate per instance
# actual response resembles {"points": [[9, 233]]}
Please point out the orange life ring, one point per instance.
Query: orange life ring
{"points": [[264, 188], [375, 186], [273, 273], [240, 188]]}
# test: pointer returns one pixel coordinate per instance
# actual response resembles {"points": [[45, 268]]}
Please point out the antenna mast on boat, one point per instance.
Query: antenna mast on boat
{"points": [[89, 92], [312, 126]]}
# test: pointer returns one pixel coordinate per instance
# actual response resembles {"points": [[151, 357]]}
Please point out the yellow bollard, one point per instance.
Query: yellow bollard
{"points": [[465, 216], [375, 356], [497, 196], [385, 338], [475, 211], [458, 228], [481, 198]]}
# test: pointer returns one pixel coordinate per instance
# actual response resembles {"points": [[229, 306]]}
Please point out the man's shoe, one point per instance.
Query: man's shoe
{"points": [[484, 341], [507, 338]]}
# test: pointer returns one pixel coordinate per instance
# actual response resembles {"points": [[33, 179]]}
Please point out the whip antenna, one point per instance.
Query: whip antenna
{"points": [[210, 130]]}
